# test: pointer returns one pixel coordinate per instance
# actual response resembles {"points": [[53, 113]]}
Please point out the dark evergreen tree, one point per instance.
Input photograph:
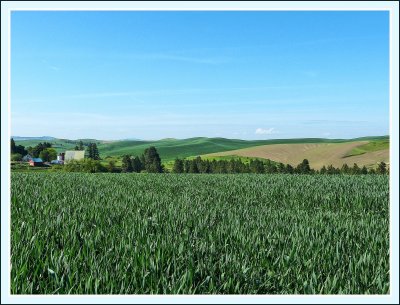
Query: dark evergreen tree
{"points": [[76, 147], [355, 170], [92, 151], [81, 147], [126, 166], [152, 160], [364, 170], [89, 151], [136, 165], [193, 167], [186, 166], [289, 169], [13, 151], [381, 168], [331, 170], [304, 167], [96, 155], [178, 166], [256, 166], [345, 169], [323, 170]]}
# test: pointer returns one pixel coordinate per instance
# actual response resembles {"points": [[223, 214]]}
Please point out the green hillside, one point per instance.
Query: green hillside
{"points": [[60, 145], [170, 149], [370, 146]]}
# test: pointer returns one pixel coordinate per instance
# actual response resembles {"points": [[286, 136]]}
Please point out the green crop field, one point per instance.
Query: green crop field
{"points": [[75, 233]]}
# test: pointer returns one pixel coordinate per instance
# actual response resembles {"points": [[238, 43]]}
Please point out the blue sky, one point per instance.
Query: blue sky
{"points": [[153, 75]]}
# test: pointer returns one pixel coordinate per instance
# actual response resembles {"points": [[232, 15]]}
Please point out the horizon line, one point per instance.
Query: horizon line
{"points": [[199, 137]]}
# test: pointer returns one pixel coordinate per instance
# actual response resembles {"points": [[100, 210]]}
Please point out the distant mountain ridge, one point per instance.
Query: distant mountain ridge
{"points": [[43, 138], [310, 140]]}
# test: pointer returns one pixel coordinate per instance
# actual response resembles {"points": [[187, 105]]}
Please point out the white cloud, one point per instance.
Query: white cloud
{"points": [[266, 131]]}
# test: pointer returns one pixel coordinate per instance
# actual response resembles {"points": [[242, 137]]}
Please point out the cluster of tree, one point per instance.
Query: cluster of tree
{"points": [[80, 146], [92, 151], [84, 143], [149, 161], [355, 170], [17, 149], [36, 150], [234, 166]]}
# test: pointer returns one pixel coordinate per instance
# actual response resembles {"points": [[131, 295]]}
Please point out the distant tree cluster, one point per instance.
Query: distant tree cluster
{"points": [[355, 170], [92, 151], [257, 166], [80, 146], [78, 143], [17, 149], [36, 150], [236, 166], [149, 161]]}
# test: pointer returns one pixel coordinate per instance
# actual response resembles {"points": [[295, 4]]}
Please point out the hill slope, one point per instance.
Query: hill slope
{"points": [[318, 154]]}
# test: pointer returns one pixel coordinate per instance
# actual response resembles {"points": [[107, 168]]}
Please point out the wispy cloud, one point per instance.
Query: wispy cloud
{"points": [[262, 131]]}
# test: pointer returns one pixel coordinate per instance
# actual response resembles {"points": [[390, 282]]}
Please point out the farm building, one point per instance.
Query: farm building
{"points": [[74, 155], [61, 157], [57, 162], [35, 162], [27, 158]]}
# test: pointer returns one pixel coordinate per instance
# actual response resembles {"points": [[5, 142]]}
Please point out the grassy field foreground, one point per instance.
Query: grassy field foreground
{"points": [[154, 233]]}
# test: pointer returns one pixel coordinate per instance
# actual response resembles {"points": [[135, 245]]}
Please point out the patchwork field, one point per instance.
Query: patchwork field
{"points": [[318, 154], [75, 233]]}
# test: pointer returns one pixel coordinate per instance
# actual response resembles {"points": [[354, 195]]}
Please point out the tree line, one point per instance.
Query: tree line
{"points": [[235, 166], [149, 161]]}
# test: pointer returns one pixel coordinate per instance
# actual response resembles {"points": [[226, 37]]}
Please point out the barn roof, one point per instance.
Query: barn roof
{"points": [[37, 160]]}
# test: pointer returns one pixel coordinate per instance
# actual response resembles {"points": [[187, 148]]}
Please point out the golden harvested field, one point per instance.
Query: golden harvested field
{"points": [[318, 154]]}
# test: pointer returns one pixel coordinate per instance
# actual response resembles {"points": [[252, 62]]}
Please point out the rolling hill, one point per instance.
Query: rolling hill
{"points": [[280, 150], [367, 153]]}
